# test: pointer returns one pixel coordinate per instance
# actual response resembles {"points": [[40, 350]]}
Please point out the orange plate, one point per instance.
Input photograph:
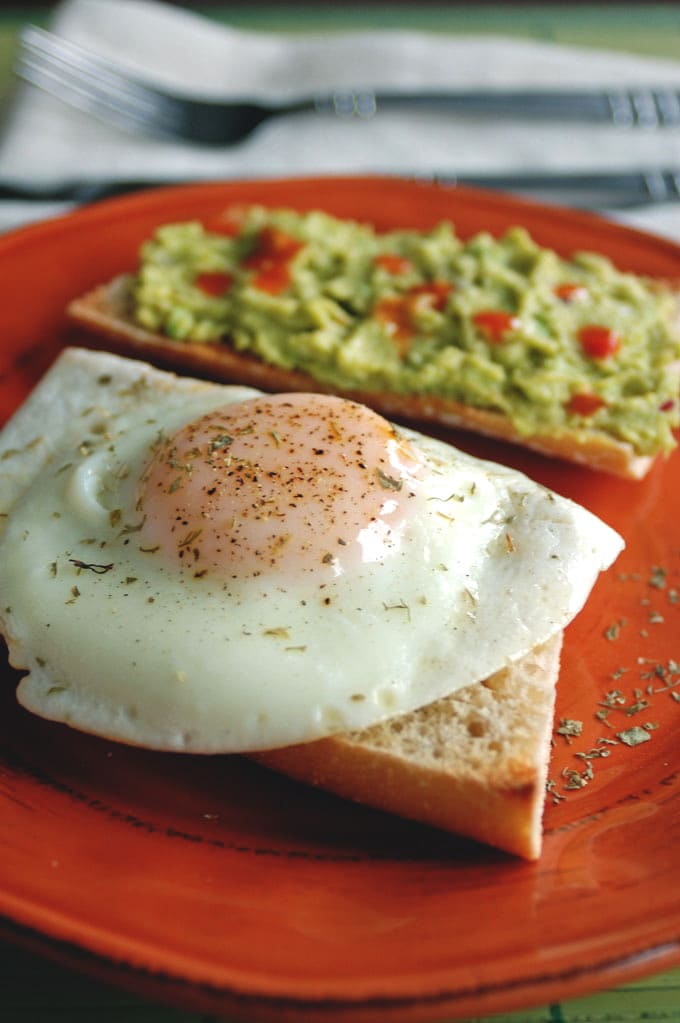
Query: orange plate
{"points": [[212, 883]]}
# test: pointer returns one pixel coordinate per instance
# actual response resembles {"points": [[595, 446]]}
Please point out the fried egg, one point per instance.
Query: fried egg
{"points": [[195, 567]]}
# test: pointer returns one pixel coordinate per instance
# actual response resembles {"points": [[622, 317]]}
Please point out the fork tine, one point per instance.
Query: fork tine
{"points": [[90, 83], [85, 96], [82, 95], [102, 88], [58, 51]]}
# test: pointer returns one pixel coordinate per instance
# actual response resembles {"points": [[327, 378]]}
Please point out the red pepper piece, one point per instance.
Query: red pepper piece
{"points": [[393, 263], [272, 246], [216, 283], [394, 312], [436, 292], [584, 404], [571, 292], [273, 279], [397, 312], [599, 342], [271, 259], [495, 324]]}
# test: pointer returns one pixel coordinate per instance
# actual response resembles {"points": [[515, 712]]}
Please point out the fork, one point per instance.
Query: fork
{"points": [[83, 79]]}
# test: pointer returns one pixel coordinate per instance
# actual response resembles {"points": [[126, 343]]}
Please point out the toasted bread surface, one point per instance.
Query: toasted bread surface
{"points": [[106, 313], [474, 763]]}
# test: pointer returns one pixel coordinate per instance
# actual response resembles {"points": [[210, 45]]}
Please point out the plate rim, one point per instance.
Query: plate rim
{"points": [[668, 950]]}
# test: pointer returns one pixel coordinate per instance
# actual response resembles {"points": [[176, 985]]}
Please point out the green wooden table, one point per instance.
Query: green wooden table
{"points": [[36, 991]]}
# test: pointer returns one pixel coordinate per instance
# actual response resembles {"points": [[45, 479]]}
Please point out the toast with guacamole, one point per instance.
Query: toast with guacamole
{"points": [[568, 356]]}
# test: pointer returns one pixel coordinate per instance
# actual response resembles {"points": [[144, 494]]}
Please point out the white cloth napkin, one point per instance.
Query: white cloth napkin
{"points": [[45, 143]]}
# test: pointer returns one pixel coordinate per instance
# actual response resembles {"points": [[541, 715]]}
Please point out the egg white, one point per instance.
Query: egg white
{"points": [[118, 642]]}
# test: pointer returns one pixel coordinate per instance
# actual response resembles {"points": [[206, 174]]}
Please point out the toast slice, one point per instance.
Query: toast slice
{"points": [[107, 315], [475, 762]]}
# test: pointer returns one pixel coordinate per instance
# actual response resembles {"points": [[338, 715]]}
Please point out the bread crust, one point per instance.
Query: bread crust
{"points": [[498, 801], [106, 313]]}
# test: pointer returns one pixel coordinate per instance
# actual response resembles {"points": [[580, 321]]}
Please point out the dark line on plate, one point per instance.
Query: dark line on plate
{"points": [[16, 763], [99, 806], [79, 957]]}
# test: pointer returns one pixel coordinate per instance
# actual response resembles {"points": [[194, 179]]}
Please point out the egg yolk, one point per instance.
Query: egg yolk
{"points": [[279, 484]]}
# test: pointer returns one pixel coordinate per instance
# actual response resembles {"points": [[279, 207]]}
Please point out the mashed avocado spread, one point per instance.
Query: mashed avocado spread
{"points": [[501, 324]]}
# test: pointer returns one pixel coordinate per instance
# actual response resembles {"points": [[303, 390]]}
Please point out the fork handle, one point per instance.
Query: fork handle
{"points": [[643, 107]]}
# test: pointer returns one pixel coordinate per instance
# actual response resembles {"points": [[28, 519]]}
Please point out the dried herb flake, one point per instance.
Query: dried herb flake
{"points": [[569, 728], [634, 736], [223, 440], [388, 482], [90, 567], [658, 578]]}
